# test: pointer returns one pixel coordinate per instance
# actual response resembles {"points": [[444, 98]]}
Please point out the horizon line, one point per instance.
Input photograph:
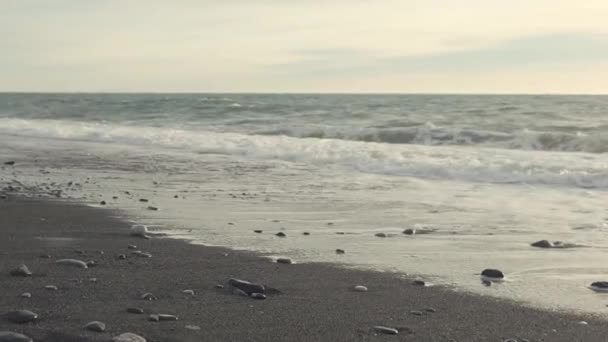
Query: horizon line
{"points": [[20, 92]]}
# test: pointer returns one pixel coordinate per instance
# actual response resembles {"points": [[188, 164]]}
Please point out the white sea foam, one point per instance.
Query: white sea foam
{"points": [[489, 165]]}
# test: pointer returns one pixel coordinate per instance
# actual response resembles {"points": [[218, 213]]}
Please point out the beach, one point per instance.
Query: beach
{"points": [[316, 301]]}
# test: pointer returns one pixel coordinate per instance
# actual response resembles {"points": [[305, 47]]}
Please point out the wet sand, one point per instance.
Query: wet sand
{"points": [[316, 304]]}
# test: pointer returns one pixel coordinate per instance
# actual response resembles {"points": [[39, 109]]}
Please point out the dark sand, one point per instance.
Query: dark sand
{"points": [[317, 303]]}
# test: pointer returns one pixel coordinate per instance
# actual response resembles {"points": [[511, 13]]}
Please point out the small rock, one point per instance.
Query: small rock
{"points": [[128, 337], [9, 336], [132, 247], [419, 282], [21, 316], [72, 262], [385, 330], [45, 256], [360, 288], [91, 263], [280, 234], [340, 233], [193, 327], [219, 286], [542, 244], [599, 286], [138, 311], [340, 251], [409, 231], [176, 196], [10, 163], [284, 261], [583, 323], [165, 317], [26, 295], [148, 296], [258, 296], [139, 230], [102, 203], [141, 254], [122, 257], [381, 235], [416, 313], [152, 208], [92, 280], [51, 288], [21, 271], [153, 318], [96, 326], [143, 200], [486, 282], [430, 309], [306, 233], [188, 292], [246, 286], [258, 231], [492, 274]]}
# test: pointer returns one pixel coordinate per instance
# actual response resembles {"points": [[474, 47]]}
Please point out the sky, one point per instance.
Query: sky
{"points": [[336, 46]]}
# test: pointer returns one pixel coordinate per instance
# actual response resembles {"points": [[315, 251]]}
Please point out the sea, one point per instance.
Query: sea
{"points": [[482, 176]]}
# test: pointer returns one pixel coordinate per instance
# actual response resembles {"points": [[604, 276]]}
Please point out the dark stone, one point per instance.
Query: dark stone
{"points": [[247, 287], [381, 235], [340, 251], [132, 247], [137, 311], [492, 273], [409, 231], [122, 257], [11, 162], [165, 317], [21, 316], [284, 261], [280, 234], [258, 231], [148, 296], [419, 282], [91, 263], [152, 208], [102, 202], [141, 199], [417, 313], [306, 233], [603, 285], [219, 286], [21, 271], [542, 244]]}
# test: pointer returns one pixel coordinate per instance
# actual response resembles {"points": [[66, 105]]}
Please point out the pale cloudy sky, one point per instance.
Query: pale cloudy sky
{"points": [[487, 46]]}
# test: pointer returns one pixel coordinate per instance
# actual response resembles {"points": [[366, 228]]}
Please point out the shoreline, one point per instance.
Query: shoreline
{"points": [[316, 303]]}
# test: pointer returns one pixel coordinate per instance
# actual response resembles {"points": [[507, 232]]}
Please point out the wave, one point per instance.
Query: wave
{"points": [[429, 134], [483, 165]]}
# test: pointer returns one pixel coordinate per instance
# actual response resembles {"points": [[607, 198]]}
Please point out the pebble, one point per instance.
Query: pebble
{"points": [[306, 233], [165, 317], [492, 274], [382, 235], [280, 234], [91, 263], [153, 318], [141, 254], [409, 231], [9, 336], [51, 288], [21, 271], [45, 256], [139, 230], [542, 244], [219, 286], [26, 295], [258, 296], [486, 282], [143, 200], [386, 330], [138, 311], [188, 292], [132, 247], [148, 296], [419, 282], [128, 337], [152, 208], [340, 251], [258, 231], [72, 262], [416, 313], [122, 257], [193, 327], [284, 261], [246, 286], [21, 316], [583, 323], [599, 286], [10, 163], [96, 326], [430, 309], [360, 288], [92, 280], [102, 203]]}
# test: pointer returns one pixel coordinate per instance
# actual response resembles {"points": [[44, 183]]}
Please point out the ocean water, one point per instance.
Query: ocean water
{"points": [[488, 175]]}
